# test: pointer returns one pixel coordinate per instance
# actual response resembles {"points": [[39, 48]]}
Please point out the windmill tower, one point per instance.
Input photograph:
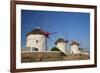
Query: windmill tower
{"points": [[37, 39], [61, 45], [74, 49]]}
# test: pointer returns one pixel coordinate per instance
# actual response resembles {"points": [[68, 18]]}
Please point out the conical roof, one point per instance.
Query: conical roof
{"points": [[60, 40], [37, 30], [74, 43]]}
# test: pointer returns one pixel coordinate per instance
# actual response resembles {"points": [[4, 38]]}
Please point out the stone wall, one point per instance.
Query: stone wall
{"points": [[50, 56], [40, 56], [76, 57]]}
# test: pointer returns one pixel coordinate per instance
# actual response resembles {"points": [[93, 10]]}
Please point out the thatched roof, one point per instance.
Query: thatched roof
{"points": [[74, 43], [36, 31], [60, 40]]}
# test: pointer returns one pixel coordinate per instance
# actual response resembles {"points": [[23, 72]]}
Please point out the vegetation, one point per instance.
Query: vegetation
{"points": [[55, 49]]}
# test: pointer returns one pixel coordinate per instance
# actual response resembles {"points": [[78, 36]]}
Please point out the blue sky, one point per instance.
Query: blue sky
{"points": [[68, 25]]}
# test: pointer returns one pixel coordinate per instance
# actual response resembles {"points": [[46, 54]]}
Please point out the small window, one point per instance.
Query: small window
{"points": [[37, 41], [34, 49]]}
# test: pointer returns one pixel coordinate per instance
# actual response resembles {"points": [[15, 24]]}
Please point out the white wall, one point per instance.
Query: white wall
{"points": [[5, 36], [31, 41], [62, 46], [74, 49]]}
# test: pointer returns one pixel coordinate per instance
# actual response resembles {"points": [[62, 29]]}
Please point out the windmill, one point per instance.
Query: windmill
{"points": [[70, 42]]}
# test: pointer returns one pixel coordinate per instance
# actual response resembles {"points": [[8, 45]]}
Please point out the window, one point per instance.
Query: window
{"points": [[34, 49]]}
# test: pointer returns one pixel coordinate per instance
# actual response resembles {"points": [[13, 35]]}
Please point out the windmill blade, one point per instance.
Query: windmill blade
{"points": [[60, 35], [66, 36], [53, 33], [50, 33], [80, 44], [48, 36]]}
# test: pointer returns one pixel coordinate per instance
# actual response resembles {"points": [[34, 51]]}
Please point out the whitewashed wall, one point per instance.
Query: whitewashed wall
{"points": [[61, 46], [40, 44], [74, 49]]}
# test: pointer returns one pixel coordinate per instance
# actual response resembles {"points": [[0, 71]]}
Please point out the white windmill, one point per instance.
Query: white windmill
{"points": [[74, 47], [61, 45], [37, 39]]}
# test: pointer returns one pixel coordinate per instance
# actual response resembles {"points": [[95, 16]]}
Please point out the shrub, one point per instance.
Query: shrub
{"points": [[55, 49]]}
